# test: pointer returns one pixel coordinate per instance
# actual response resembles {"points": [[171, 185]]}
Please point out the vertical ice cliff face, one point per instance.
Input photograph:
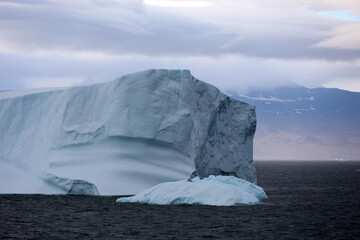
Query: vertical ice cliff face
{"points": [[228, 146], [139, 130]]}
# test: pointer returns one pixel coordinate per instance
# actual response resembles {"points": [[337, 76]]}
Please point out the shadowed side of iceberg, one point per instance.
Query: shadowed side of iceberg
{"points": [[228, 146], [217, 191]]}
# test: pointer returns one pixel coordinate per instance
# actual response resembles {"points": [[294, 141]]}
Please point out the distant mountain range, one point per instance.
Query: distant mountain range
{"points": [[295, 122]]}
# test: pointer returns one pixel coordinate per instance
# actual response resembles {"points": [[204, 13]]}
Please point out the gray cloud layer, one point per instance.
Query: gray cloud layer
{"points": [[37, 38]]}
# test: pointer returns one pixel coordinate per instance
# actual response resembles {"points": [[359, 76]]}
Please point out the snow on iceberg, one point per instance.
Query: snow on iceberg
{"points": [[213, 190], [126, 135]]}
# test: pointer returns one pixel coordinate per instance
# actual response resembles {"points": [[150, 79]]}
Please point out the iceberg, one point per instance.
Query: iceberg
{"points": [[213, 190], [124, 136], [76, 187]]}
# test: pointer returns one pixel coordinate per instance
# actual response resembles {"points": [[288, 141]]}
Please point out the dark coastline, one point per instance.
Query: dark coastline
{"points": [[307, 200]]}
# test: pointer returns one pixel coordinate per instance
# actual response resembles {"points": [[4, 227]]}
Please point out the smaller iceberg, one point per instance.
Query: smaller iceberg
{"points": [[213, 190]]}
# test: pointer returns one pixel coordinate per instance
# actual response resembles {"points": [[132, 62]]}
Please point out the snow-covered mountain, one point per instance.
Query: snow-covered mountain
{"points": [[294, 122]]}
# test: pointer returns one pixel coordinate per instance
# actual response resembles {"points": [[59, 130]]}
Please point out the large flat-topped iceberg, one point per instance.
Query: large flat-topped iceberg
{"points": [[126, 135], [216, 191]]}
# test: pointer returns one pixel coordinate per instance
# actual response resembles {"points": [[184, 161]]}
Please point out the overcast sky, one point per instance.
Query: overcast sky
{"points": [[233, 44]]}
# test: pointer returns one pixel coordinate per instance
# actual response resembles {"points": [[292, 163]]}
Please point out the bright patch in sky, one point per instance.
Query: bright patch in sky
{"points": [[341, 14], [176, 4]]}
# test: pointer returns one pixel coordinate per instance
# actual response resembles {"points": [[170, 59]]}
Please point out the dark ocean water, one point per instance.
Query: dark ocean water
{"points": [[307, 200]]}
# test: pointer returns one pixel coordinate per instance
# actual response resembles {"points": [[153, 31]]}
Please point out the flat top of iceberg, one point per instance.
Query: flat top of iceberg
{"points": [[216, 191], [23, 92]]}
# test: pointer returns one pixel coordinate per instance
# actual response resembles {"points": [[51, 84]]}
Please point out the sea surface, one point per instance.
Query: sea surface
{"points": [[306, 200]]}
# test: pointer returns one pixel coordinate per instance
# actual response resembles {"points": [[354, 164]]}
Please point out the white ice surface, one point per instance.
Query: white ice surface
{"points": [[217, 191]]}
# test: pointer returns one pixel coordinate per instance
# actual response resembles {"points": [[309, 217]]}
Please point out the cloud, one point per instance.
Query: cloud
{"points": [[335, 5], [231, 44], [51, 82], [343, 37], [177, 4], [247, 28], [230, 73], [341, 14]]}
